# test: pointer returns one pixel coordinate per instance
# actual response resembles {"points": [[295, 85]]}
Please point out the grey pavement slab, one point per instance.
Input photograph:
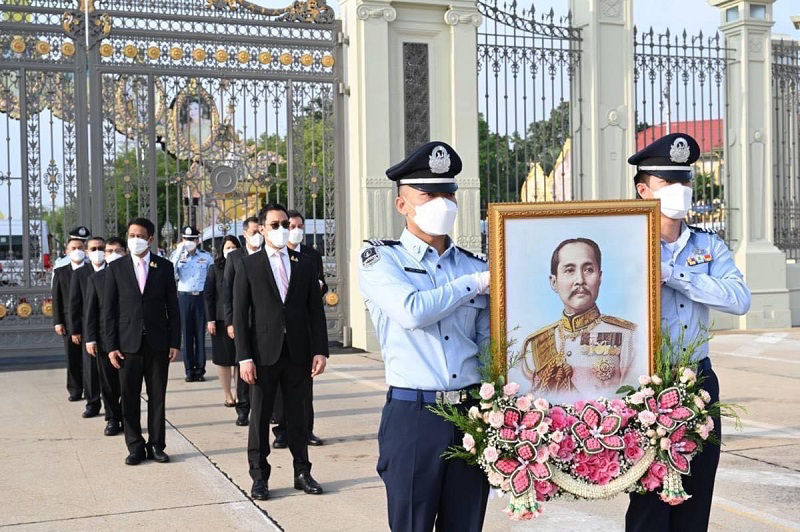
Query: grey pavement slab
{"points": [[62, 474]]}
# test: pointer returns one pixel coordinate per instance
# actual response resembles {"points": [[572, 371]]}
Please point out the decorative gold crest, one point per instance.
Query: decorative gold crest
{"points": [[3, 311], [264, 58], [131, 51], [24, 310], [17, 45], [42, 47], [328, 61], [131, 105], [199, 55], [47, 308], [106, 50], [175, 53], [243, 56], [286, 58], [306, 60], [67, 49], [332, 299], [221, 55], [154, 52]]}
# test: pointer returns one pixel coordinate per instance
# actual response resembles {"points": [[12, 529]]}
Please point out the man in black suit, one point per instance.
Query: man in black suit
{"points": [[296, 242], [62, 279], [143, 335], [95, 249], [285, 343], [253, 243], [95, 345]]}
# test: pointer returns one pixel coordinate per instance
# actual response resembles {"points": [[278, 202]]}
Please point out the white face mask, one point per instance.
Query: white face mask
{"points": [[137, 245], [255, 240], [278, 237], [189, 245], [77, 255], [97, 257], [114, 256], [676, 200], [436, 217], [296, 235], [226, 252]]}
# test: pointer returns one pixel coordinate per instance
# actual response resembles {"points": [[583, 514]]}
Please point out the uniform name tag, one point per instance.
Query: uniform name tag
{"points": [[415, 270]]}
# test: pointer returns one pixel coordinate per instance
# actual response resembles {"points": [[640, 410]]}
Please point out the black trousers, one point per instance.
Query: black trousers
{"points": [[279, 430], [647, 513], [293, 380], [424, 490], [152, 366], [74, 367], [242, 397], [109, 387], [91, 380]]}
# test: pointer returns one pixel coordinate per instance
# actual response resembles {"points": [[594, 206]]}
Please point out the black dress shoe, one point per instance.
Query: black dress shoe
{"points": [[134, 459], [280, 442], [91, 411], [305, 482], [200, 378], [73, 398], [189, 378], [242, 421], [313, 440], [112, 428], [259, 491], [157, 456]]}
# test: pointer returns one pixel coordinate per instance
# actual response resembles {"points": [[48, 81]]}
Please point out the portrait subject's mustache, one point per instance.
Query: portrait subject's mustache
{"points": [[581, 290]]}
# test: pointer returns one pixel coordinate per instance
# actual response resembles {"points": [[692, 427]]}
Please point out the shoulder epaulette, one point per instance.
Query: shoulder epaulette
{"points": [[696, 229], [379, 242], [619, 322], [480, 256], [541, 331]]}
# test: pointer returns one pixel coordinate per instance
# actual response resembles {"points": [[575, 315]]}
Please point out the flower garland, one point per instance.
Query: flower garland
{"points": [[534, 451]]}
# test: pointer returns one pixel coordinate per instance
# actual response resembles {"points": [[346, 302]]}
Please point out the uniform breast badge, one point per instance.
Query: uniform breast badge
{"points": [[698, 256]]}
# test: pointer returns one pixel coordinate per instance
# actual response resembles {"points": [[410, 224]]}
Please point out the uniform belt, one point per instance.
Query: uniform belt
{"points": [[190, 293], [450, 397]]}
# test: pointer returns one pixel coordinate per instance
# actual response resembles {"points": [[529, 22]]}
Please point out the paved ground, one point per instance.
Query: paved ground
{"points": [[58, 472]]}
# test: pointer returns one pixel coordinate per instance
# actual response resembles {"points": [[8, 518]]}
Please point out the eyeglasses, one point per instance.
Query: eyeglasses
{"points": [[275, 225], [118, 251], [97, 248]]}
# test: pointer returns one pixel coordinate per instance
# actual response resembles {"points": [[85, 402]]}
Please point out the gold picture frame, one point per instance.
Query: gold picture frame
{"points": [[193, 135], [532, 223]]}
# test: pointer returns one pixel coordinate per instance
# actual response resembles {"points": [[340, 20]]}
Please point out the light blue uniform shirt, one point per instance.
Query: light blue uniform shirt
{"points": [[191, 270], [700, 275], [429, 318]]}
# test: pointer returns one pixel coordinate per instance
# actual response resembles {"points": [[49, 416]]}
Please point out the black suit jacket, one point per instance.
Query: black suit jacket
{"points": [[77, 298], [93, 309], [62, 281], [213, 290], [128, 313], [233, 264], [316, 259], [300, 319]]}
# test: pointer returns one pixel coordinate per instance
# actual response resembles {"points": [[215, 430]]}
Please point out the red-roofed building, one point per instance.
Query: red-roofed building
{"points": [[709, 134]]}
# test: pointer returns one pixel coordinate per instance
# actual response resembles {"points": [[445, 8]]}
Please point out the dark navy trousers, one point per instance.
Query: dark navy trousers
{"points": [[423, 489], [647, 513], [193, 324]]}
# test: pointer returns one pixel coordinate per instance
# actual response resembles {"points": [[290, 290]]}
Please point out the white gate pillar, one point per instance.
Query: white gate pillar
{"points": [[747, 29], [383, 122], [604, 122]]}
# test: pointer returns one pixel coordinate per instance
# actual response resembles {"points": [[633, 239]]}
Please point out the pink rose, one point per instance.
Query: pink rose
{"points": [[618, 405], [554, 448], [631, 439], [598, 405], [557, 436], [658, 470], [510, 389], [523, 403], [490, 454], [647, 392], [613, 469], [541, 404], [633, 453], [636, 398], [545, 488], [542, 429], [559, 418], [571, 420], [698, 402], [495, 478], [468, 442], [582, 470], [651, 483], [646, 418], [486, 417], [487, 391], [496, 419], [543, 455], [568, 444]]}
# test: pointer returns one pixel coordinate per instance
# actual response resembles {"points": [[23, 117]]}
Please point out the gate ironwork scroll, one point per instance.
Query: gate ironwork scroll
{"points": [[182, 111]]}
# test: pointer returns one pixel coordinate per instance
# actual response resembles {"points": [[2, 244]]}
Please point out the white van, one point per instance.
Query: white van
{"points": [[11, 264]]}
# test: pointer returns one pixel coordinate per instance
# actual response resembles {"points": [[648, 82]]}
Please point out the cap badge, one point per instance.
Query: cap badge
{"points": [[187, 231], [679, 151], [439, 161], [82, 231]]}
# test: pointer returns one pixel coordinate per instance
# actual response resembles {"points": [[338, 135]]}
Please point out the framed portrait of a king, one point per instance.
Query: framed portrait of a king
{"points": [[575, 295]]}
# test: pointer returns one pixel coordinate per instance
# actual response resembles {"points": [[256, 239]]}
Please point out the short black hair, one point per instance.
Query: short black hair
{"points": [[96, 237], [115, 240], [640, 177], [591, 243], [295, 214], [142, 222], [262, 215], [250, 220]]}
